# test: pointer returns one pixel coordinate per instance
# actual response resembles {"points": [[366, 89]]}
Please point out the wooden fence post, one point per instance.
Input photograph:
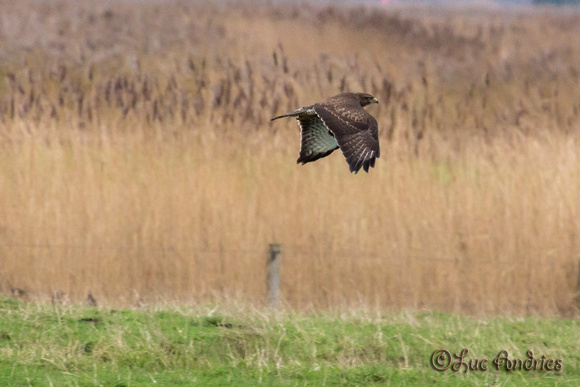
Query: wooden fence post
{"points": [[578, 287], [273, 267]]}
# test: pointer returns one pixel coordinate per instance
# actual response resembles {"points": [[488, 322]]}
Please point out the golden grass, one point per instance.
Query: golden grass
{"points": [[138, 161]]}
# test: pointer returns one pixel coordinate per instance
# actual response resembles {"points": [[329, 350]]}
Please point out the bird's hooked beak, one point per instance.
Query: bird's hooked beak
{"points": [[375, 100]]}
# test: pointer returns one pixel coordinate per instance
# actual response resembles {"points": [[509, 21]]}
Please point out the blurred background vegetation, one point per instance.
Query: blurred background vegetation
{"points": [[138, 163]]}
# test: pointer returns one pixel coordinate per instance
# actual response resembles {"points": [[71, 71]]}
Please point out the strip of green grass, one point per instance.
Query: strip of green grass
{"points": [[61, 345]]}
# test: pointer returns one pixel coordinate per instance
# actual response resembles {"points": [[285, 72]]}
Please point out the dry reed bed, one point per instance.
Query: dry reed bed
{"points": [[137, 160]]}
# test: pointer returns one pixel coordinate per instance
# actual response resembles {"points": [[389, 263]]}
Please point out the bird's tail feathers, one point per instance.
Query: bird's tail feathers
{"points": [[295, 113]]}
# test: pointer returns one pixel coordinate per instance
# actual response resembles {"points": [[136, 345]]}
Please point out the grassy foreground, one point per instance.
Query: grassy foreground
{"points": [[46, 344], [138, 160]]}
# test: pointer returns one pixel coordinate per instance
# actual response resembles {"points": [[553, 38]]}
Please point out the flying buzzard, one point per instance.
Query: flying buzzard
{"points": [[339, 122]]}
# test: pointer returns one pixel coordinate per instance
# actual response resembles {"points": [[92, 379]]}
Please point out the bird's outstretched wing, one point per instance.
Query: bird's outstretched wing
{"points": [[315, 139], [355, 131]]}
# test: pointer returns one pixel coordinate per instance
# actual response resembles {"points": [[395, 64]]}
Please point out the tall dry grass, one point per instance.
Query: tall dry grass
{"points": [[138, 161]]}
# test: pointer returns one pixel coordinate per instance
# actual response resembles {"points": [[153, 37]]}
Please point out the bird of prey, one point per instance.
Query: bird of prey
{"points": [[339, 122]]}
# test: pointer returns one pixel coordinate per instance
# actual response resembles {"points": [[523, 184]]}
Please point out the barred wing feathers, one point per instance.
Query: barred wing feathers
{"points": [[355, 131], [315, 139]]}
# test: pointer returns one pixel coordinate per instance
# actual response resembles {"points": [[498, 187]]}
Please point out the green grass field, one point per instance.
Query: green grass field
{"points": [[221, 344]]}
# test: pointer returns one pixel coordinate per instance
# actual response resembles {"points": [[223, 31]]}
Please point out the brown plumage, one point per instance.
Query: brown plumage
{"points": [[339, 122]]}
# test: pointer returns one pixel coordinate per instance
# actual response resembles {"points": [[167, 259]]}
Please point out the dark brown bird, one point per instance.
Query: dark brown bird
{"points": [[339, 122]]}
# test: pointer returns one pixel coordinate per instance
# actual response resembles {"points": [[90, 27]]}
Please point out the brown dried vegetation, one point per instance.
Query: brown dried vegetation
{"points": [[137, 160]]}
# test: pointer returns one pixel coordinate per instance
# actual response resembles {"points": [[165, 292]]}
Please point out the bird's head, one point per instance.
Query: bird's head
{"points": [[366, 99]]}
